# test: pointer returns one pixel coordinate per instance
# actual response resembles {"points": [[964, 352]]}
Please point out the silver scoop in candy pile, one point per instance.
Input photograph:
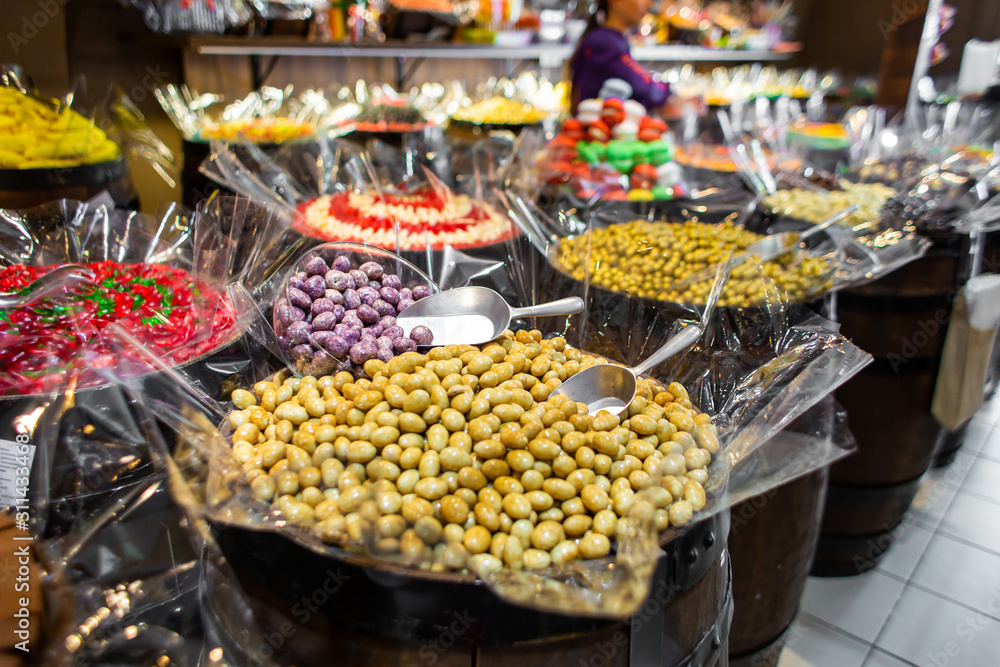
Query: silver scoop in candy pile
{"points": [[55, 281], [474, 315], [610, 387]]}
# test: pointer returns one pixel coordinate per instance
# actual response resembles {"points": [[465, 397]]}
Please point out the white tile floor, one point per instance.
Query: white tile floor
{"points": [[934, 599]]}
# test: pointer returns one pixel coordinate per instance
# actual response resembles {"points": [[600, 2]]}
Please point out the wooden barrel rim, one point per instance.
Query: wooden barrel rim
{"points": [[59, 177]]}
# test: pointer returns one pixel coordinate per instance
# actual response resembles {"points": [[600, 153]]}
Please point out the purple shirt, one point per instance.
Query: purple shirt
{"points": [[603, 54]]}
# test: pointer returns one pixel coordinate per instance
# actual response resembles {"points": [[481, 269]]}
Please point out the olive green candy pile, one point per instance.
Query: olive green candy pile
{"points": [[815, 207], [458, 459], [652, 259]]}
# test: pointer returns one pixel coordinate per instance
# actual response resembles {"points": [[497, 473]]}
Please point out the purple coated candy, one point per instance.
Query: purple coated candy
{"points": [[351, 300], [338, 280], [296, 282], [421, 292], [301, 275], [334, 295], [373, 270], [389, 295], [338, 346], [387, 321], [299, 352], [351, 319], [316, 267], [359, 277], [367, 314], [298, 332], [320, 337], [280, 328], [321, 306], [283, 311], [376, 285], [284, 342], [393, 332], [383, 308], [403, 305], [341, 263], [297, 314], [368, 295], [349, 334], [299, 299], [324, 322], [391, 280], [315, 287], [421, 335], [405, 293], [338, 312], [384, 341], [401, 345], [363, 350], [385, 354]]}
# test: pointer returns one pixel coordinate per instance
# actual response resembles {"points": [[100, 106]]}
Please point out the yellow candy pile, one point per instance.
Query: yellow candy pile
{"points": [[36, 136], [500, 111]]}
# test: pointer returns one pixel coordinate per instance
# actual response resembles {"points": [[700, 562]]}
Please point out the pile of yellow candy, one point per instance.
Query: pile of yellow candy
{"points": [[36, 136], [261, 130], [499, 111]]}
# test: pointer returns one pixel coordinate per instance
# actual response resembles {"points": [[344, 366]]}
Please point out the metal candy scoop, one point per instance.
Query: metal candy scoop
{"points": [[474, 315], [612, 388], [52, 282]]}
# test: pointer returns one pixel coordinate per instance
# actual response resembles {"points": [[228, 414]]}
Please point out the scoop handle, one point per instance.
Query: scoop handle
{"points": [[684, 338], [568, 306]]}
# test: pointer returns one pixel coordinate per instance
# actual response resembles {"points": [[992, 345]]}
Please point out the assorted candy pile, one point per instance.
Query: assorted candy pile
{"points": [[261, 130], [34, 135], [614, 149], [335, 317], [165, 309], [459, 459], [425, 217], [499, 111], [387, 115]]}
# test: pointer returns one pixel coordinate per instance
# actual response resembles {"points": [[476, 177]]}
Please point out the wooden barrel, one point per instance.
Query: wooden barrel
{"points": [[24, 188], [901, 320], [373, 614], [772, 540]]}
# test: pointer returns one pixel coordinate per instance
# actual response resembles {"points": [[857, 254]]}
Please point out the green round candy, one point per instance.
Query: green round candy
{"points": [[623, 166], [660, 153], [585, 151], [660, 192], [600, 150], [642, 151], [619, 150]]}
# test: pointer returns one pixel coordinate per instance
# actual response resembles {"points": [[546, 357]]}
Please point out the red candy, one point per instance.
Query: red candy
{"points": [[166, 309], [599, 131]]}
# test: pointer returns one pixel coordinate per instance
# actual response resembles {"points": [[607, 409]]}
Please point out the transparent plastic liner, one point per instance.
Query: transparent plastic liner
{"points": [[295, 181], [82, 128], [268, 116]]}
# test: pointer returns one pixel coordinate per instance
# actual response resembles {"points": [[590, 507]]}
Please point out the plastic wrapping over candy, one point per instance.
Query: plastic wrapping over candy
{"points": [[120, 573], [267, 116], [170, 16], [417, 202], [756, 369]]}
